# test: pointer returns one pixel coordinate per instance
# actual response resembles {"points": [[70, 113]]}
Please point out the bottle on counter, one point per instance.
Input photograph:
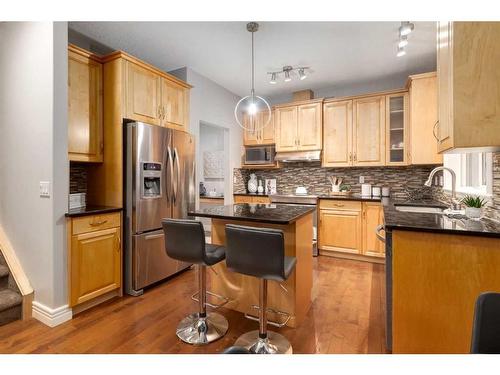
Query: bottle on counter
{"points": [[260, 188]]}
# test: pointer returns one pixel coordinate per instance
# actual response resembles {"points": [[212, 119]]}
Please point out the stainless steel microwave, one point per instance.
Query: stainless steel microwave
{"points": [[259, 155]]}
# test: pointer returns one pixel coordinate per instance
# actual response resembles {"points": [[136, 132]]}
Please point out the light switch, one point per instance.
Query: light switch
{"points": [[361, 179], [45, 189]]}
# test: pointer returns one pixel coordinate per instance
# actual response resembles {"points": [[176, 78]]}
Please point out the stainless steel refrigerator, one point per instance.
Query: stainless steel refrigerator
{"points": [[159, 183]]}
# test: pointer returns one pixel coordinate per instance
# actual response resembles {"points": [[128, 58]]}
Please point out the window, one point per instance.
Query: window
{"points": [[474, 172]]}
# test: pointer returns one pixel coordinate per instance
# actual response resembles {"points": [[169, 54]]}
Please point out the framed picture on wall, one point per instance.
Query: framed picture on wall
{"points": [[270, 185]]}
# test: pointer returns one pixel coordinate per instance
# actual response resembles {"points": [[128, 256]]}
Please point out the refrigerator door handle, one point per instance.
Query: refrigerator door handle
{"points": [[176, 181], [171, 167]]}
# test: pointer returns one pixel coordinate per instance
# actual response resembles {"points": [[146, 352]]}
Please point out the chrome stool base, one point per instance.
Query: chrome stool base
{"points": [[273, 344], [199, 331]]}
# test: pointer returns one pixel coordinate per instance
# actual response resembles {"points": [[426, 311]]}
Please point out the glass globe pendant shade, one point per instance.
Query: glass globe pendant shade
{"points": [[252, 113]]}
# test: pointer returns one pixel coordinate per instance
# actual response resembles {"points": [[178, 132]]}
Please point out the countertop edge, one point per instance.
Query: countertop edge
{"points": [[393, 227], [97, 211]]}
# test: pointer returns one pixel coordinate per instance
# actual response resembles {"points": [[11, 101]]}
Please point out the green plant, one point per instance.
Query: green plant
{"points": [[345, 187], [472, 201]]}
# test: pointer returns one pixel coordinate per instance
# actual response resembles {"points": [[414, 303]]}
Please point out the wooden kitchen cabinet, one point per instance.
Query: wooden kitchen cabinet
{"points": [[369, 131], [423, 100], [309, 127], [397, 145], [251, 199], [373, 216], [337, 134], [85, 120], [95, 257], [347, 229], [340, 226], [143, 95], [174, 105], [468, 86], [299, 127], [256, 133]]}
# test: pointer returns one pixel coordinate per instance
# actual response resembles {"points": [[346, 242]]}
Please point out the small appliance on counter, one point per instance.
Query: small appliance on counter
{"points": [[366, 190], [203, 189], [77, 200], [301, 190]]}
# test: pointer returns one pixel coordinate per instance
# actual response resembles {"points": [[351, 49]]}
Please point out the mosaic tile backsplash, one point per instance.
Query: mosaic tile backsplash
{"points": [[77, 178], [315, 178], [399, 179]]}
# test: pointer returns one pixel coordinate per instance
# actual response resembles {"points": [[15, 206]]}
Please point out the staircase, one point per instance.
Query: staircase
{"points": [[10, 297]]}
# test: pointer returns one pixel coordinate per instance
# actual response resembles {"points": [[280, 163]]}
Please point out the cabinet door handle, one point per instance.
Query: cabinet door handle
{"points": [[350, 156], [164, 113], [159, 111], [337, 205], [119, 247], [96, 224], [354, 157], [434, 130]]}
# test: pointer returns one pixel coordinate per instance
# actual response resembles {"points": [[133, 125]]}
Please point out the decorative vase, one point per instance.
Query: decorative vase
{"points": [[260, 188], [473, 212], [252, 183]]}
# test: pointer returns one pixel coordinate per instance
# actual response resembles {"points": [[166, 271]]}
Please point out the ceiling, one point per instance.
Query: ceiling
{"points": [[339, 53]]}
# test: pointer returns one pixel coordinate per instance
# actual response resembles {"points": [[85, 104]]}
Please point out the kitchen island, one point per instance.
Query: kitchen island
{"points": [[292, 296]]}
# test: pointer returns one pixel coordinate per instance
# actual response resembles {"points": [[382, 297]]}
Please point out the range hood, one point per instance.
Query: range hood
{"points": [[298, 156]]}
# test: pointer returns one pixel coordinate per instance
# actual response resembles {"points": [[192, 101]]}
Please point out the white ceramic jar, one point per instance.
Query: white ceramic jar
{"points": [[252, 183], [473, 212]]}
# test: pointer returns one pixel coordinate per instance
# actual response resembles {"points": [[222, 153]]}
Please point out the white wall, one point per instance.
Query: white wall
{"points": [[213, 104], [33, 148], [211, 139]]}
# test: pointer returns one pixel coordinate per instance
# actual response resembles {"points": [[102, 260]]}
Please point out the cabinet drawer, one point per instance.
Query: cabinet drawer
{"points": [[340, 205], [262, 200], [95, 222]]}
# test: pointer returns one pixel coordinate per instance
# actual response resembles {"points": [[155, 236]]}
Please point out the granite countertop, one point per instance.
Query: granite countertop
{"points": [[436, 223], [261, 213], [252, 194], [91, 210], [353, 197]]}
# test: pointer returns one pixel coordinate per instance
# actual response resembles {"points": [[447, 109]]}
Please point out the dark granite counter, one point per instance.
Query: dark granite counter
{"points": [[261, 213], [353, 197], [91, 210], [252, 194], [434, 222], [209, 197]]}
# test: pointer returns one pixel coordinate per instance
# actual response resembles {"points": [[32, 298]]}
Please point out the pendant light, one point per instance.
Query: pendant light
{"points": [[252, 104]]}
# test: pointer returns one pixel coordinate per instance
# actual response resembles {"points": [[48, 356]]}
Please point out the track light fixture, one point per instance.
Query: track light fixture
{"points": [[287, 71], [406, 28]]}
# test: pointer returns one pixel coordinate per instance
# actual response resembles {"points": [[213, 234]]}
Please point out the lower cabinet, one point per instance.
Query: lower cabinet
{"points": [[348, 227], [251, 199], [95, 257]]}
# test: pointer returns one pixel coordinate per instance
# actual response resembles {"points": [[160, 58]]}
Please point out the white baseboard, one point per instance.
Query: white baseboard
{"points": [[51, 317]]}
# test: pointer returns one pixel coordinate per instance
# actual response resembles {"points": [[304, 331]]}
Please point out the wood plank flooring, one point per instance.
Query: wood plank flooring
{"points": [[347, 316]]}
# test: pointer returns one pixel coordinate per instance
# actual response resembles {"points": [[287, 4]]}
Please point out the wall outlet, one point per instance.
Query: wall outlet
{"points": [[361, 179], [45, 189]]}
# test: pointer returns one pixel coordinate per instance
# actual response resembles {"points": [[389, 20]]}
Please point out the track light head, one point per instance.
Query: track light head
{"points": [[406, 28], [273, 79], [302, 74], [403, 42], [401, 52]]}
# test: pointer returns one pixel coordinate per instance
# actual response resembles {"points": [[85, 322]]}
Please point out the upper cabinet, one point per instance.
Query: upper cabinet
{"points": [[143, 95], [174, 105], [468, 86], [369, 131], [299, 126], [337, 134], [85, 129], [397, 150], [260, 132], [423, 119], [155, 97]]}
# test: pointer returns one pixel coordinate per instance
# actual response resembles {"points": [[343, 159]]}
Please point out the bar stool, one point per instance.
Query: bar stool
{"points": [[185, 241], [260, 252], [486, 324]]}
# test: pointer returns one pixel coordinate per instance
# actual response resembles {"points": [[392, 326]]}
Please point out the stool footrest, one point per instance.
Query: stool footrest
{"points": [[286, 316], [225, 300]]}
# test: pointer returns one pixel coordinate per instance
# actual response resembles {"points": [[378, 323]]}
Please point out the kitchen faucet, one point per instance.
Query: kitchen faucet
{"points": [[455, 205]]}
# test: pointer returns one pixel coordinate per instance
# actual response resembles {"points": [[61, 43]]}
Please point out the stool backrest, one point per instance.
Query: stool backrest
{"points": [[258, 252], [184, 240], [486, 325]]}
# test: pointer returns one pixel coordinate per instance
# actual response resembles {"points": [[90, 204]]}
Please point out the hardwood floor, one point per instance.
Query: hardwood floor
{"points": [[347, 316]]}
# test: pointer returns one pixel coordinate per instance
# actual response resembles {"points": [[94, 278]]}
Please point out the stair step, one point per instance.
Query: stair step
{"points": [[4, 271], [9, 298]]}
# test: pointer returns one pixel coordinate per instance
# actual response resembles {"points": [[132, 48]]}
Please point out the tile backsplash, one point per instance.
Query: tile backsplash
{"points": [[315, 178], [77, 178]]}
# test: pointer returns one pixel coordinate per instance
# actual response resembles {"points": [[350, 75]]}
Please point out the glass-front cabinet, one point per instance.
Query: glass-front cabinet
{"points": [[396, 129]]}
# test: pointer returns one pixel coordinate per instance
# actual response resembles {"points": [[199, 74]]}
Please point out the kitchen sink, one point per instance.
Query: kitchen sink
{"points": [[420, 209]]}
